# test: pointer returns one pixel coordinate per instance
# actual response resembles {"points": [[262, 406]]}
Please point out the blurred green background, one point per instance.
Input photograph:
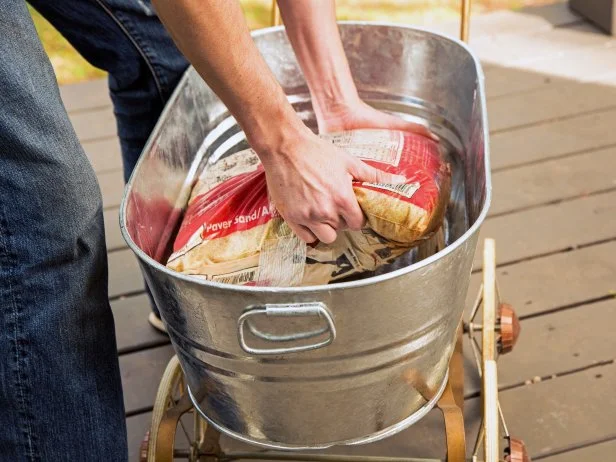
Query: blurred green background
{"points": [[71, 68]]}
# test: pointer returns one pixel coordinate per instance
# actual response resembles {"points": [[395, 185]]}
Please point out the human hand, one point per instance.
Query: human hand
{"points": [[357, 114], [310, 184]]}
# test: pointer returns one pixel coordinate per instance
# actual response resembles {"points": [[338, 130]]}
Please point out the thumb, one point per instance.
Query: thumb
{"points": [[364, 172]]}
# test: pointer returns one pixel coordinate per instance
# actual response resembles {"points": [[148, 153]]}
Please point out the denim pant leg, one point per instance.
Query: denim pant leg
{"points": [[125, 38], [60, 389]]}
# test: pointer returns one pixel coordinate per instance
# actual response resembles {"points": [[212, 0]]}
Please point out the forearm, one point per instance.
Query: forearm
{"points": [[213, 35], [313, 32]]}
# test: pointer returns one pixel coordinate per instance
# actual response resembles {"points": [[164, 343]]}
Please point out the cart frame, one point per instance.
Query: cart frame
{"points": [[499, 332]]}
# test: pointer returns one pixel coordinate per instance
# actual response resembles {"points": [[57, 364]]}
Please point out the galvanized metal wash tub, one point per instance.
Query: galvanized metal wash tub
{"points": [[345, 363]]}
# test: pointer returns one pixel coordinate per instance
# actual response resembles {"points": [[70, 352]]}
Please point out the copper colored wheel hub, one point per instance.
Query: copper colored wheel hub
{"points": [[509, 328], [517, 451]]}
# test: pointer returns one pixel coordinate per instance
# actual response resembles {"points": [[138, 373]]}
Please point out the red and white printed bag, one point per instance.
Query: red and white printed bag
{"points": [[231, 233]]}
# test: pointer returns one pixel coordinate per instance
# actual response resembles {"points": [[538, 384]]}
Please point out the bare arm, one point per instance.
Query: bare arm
{"points": [[313, 32], [214, 36]]}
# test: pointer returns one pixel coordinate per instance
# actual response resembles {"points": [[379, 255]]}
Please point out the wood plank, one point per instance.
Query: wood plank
{"points": [[553, 180], [567, 340], [85, 95], [550, 103], [558, 413], [104, 155], [136, 427], [530, 50], [548, 415], [591, 65], [131, 324], [95, 124], [112, 188], [521, 22], [505, 81], [564, 279], [554, 139], [552, 417], [141, 374], [551, 228], [597, 453], [552, 411], [555, 14], [113, 235], [124, 273]]}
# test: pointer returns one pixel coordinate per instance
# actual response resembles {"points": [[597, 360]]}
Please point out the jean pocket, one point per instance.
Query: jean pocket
{"points": [[143, 7]]}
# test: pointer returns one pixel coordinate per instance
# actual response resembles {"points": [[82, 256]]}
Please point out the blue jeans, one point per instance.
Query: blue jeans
{"points": [[125, 38], [60, 389]]}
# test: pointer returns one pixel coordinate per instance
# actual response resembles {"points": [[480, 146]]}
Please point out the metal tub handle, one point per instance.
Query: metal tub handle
{"points": [[285, 310]]}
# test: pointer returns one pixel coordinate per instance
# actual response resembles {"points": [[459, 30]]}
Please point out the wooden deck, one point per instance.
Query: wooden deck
{"points": [[551, 80]]}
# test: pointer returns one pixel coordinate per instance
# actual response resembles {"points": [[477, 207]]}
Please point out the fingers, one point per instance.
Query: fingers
{"points": [[316, 226], [364, 172], [324, 223], [420, 130], [324, 232], [316, 232], [397, 123], [303, 233], [352, 214]]}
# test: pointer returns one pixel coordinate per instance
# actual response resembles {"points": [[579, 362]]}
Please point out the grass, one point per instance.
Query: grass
{"points": [[70, 67]]}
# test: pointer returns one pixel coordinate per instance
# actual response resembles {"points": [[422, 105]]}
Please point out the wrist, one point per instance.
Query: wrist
{"points": [[333, 97], [276, 133]]}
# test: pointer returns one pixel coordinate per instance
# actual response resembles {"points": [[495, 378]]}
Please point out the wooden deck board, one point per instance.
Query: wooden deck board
{"points": [[550, 103], [113, 235], [85, 95], [133, 332], [553, 180], [94, 124], [124, 273], [136, 427], [601, 452], [528, 50], [555, 344], [557, 414], [112, 188], [104, 154], [565, 279], [553, 140], [592, 64], [141, 373], [506, 81], [552, 228], [517, 23]]}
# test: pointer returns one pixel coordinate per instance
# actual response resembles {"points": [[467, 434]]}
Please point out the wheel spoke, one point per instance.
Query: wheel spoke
{"points": [[476, 354], [188, 439], [477, 304]]}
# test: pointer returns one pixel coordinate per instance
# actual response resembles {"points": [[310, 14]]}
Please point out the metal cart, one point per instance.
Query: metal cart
{"points": [[306, 368]]}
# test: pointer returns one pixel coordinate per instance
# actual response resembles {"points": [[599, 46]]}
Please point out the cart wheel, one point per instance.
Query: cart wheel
{"points": [[172, 402], [508, 326], [488, 356]]}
